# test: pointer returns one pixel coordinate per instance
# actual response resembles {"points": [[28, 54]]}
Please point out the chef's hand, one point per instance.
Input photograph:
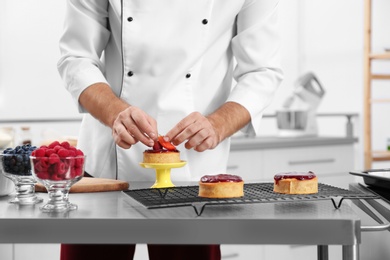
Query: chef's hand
{"points": [[133, 125], [206, 132], [197, 130]]}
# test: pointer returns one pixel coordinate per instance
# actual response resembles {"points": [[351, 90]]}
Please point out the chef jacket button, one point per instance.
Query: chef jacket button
{"points": [[205, 21], [188, 75], [130, 19], [130, 73]]}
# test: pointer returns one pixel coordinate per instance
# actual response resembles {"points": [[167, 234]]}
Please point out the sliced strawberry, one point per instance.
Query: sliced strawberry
{"points": [[167, 145]]}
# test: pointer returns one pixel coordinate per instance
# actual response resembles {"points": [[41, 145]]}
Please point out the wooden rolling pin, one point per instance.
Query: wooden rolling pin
{"points": [[87, 184]]}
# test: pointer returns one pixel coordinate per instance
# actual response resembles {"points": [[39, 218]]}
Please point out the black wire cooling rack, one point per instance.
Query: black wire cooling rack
{"points": [[253, 193]]}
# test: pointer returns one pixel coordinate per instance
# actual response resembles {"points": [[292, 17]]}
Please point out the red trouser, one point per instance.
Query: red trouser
{"points": [[126, 252]]}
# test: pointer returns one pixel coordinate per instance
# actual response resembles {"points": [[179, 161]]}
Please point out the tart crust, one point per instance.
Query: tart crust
{"points": [[295, 186], [162, 157], [221, 189]]}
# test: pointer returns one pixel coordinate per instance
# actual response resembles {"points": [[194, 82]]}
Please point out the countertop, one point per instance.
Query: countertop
{"points": [[113, 217], [272, 142]]}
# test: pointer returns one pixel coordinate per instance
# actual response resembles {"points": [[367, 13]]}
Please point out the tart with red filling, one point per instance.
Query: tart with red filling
{"points": [[221, 186], [162, 152], [296, 183]]}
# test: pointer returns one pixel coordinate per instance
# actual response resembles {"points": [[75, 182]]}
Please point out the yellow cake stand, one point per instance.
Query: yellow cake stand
{"points": [[163, 173]]}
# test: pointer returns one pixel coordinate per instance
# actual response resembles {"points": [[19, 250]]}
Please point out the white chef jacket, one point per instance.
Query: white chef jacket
{"points": [[170, 58]]}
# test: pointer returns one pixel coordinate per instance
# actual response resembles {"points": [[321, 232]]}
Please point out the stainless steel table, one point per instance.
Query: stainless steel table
{"points": [[113, 217]]}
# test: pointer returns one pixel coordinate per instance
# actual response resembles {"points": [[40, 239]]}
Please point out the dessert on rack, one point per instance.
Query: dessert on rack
{"points": [[221, 186], [296, 183], [162, 152]]}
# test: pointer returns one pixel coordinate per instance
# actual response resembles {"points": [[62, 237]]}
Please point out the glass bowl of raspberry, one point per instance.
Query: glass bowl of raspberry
{"points": [[58, 166], [15, 165]]}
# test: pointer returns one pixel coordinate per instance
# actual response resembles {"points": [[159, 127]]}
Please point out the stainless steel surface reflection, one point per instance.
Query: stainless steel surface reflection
{"points": [[113, 217]]}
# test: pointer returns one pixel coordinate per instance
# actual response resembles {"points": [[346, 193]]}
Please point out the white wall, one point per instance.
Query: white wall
{"points": [[323, 36], [30, 86]]}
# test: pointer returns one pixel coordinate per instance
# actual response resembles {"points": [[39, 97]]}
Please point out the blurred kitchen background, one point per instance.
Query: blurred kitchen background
{"points": [[325, 37]]}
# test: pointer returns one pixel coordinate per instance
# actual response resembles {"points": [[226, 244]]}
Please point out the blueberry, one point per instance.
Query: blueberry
{"points": [[12, 161], [17, 160], [8, 150]]}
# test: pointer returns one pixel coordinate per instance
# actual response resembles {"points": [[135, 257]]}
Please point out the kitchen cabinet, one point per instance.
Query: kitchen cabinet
{"points": [[261, 158], [36, 252], [370, 57], [274, 252], [6, 251]]}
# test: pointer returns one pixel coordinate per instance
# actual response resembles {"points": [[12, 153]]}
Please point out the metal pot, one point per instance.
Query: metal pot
{"points": [[292, 119]]}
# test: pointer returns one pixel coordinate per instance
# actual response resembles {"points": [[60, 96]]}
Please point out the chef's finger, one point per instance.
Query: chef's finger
{"points": [[123, 145], [177, 135], [147, 127], [197, 137], [205, 145], [137, 134], [190, 133], [154, 133], [122, 138]]}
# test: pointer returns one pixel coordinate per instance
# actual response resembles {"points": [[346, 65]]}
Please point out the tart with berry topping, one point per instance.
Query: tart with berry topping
{"points": [[296, 183], [221, 186], [162, 152]]}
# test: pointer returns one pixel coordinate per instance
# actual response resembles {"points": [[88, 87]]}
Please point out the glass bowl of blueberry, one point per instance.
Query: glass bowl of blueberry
{"points": [[15, 165], [58, 166]]}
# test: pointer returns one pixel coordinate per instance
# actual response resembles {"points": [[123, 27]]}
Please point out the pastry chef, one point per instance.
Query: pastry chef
{"points": [[194, 71]]}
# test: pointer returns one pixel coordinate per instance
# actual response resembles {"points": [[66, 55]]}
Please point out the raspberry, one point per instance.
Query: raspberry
{"points": [[79, 152], [56, 177], [79, 161], [38, 167], [51, 165], [65, 144], [40, 152], [54, 158], [63, 153], [60, 168], [44, 175], [157, 146], [76, 171], [49, 152], [44, 162], [53, 144]]}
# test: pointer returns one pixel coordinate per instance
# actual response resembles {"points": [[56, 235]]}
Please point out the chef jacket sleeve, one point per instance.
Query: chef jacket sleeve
{"points": [[256, 48], [82, 43]]}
